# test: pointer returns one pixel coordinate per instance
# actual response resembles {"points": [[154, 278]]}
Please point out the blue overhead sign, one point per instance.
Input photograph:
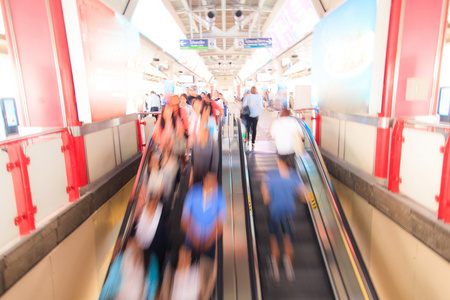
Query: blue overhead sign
{"points": [[194, 44], [258, 43]]}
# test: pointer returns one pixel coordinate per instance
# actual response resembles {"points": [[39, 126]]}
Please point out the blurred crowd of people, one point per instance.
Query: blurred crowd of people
{"points": [[171, 250]]}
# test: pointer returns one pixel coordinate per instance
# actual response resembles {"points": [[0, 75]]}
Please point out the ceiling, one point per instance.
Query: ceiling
{"points": [[225, 60], [258, 15], [257, 18]]}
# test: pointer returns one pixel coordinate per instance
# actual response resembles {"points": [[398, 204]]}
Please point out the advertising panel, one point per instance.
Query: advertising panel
{"points": [[343, 47]]}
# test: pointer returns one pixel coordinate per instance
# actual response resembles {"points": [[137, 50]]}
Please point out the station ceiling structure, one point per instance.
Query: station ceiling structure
{"points": [[228, 20], [225, 21]]}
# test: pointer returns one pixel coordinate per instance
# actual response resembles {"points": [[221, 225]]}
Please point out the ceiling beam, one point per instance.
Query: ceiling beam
{"points": [[175, 16], [320, 9], [230, 8], [187, 8], [257, 17], [228, 53], [224, 22], [275, 12]]}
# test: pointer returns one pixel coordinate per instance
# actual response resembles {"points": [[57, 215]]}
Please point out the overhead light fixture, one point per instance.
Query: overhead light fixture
{"points": [[239, 19], [210, 19]]}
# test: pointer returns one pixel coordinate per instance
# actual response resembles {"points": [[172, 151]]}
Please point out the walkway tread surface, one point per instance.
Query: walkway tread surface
{"points": [[311, 276]]}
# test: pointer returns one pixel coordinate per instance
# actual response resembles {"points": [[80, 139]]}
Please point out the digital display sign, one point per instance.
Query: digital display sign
{"points": [[9, 112]]}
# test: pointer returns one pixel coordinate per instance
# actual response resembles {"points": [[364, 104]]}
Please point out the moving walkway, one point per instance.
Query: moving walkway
{"points": [[327, 264]]}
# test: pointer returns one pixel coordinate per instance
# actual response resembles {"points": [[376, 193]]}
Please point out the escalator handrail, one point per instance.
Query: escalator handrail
{"points": [[219, 279], [125, 228], [343, 222], [250, 226]]}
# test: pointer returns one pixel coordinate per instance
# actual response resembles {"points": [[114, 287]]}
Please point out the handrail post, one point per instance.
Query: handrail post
{"points": [[75, 161], [444, 196], [18, 166], [317, 119], [396, 155], [139, 134]]}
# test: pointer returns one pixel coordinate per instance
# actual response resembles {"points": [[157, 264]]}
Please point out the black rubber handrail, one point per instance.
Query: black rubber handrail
{"points": [[127, 222], [219, 279], [254, 277]]}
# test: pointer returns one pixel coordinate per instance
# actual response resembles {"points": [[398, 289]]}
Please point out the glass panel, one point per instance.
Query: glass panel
{"points": [[48, 179], [8, 202]]}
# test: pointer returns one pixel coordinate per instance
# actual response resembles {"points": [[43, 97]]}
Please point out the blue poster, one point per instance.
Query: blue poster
{"points": [[343, 46]]}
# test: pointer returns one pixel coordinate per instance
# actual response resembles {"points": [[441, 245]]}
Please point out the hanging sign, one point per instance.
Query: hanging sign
{"points": [[248, 43], [198, 44]]}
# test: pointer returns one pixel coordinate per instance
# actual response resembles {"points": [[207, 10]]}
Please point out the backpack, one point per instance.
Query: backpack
{"points": [[245, 112]]}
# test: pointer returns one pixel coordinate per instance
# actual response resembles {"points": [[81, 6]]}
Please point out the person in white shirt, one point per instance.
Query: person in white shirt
{"points": [[288, 136], [219, 101], [254, 102], [154, 103]]}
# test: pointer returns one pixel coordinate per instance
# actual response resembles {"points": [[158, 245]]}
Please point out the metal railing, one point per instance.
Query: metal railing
{"points": [[250, 226], [340, 236]]}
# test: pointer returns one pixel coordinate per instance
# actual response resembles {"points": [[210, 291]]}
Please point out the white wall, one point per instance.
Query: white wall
{"points": [[353, 142], [401, 266], [76, 269]]}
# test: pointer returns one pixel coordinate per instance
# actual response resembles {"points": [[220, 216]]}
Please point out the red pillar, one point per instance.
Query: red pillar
{"points": [[18, 166], [65, 68], [317, 119], [383, 133], [396, 155], [139, 134], [74, 151], [444, 196], [75, 160]]}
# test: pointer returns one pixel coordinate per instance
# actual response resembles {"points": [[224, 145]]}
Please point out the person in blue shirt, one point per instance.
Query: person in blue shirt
{"points": [[204, 215], [280, 188]]}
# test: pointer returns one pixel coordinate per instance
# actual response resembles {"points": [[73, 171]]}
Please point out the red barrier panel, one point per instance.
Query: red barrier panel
{"points": [[18, 166], [396, 154]]}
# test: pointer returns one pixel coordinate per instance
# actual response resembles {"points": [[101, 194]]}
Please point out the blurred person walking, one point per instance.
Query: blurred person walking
{"points": [[288, 136], [203, 219], [205, 156], [254, 102], [280, 188]]}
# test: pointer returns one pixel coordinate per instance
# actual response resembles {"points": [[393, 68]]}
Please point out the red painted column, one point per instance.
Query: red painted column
{"points": [[383, 133], [65, 68], [396, 155], [18, 166], [317, 119], [75, 161], [74, 150], [444, 196], [139, 135]]}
